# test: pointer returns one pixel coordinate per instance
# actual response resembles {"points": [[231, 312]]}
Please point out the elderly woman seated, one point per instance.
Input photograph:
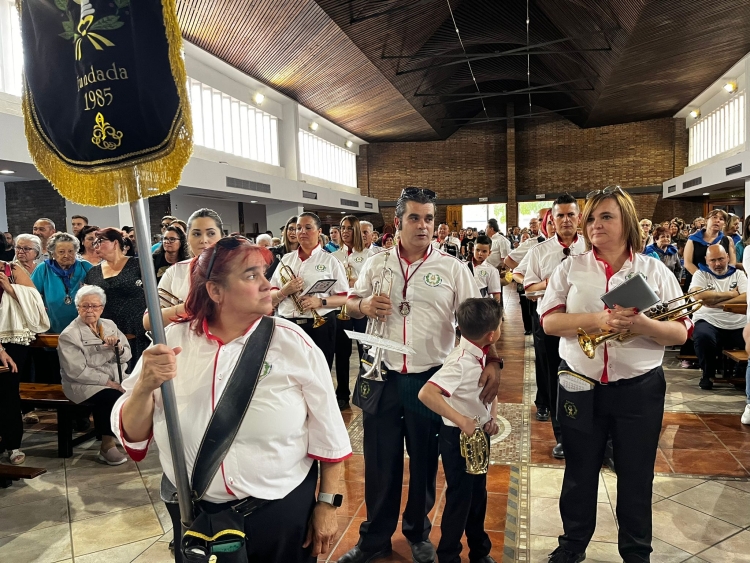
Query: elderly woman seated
{"points": [[89, 350]]}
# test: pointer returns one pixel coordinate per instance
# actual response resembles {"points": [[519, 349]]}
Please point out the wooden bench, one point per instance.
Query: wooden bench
{"points": [[10, 473], [51, 397], [738, 308], [738, 357]]}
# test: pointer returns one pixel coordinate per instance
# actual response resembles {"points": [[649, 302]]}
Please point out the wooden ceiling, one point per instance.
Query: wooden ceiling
{"points": [[394, 70]]}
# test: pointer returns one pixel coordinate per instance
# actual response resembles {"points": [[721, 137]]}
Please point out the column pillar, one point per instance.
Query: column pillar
{"points": [[512, 213]]}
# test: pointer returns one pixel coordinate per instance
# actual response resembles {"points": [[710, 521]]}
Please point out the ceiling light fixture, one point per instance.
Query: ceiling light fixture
{"points": [[730, 86], [343, 212], [7, 171], [258, 98], [349, 144], [706, 193], [313, 126], [695, 113], [253, 201]]}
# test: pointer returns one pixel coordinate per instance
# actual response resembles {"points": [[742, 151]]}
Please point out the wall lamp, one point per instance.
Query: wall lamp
{"points": [[258, 98], [730, 86], [313, 126], [349, 144], [695, 113]]}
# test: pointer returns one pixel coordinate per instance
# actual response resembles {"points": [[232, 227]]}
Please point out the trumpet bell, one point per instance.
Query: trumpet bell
{"points": [[318, 321], [476, 450]]}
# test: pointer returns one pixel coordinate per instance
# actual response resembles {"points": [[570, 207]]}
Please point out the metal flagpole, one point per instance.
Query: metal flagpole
{"points": [[148, 276]]}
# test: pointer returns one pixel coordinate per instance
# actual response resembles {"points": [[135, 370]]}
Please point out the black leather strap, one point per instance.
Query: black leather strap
{"points": [[229, 413]]}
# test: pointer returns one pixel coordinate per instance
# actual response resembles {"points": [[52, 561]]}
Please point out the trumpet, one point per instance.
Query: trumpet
{"points": [[659, 312], [286, 274], [167, 300], [476, 450], [342, 316], [371, 362]]}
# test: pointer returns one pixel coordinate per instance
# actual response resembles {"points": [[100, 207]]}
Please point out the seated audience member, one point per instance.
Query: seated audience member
{"points": [[28, 250], [7, 252], [665, 251], [275, 241], [646, 230], [387, 240], [739, 248], [44, 228], [264, 240], [173, 249], [88, 363], [716, 329], [77, 223], [733, 226], [87, 252], [335, 243], [166, 221]]}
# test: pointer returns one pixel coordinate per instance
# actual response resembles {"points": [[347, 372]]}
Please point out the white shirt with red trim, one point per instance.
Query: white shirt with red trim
{"points": [[576, 286], [320, 265], [499, 250], [716, 316], [176, 279], [458, 379], [350, 257], [438, 284], [487, 279], [542, 260], [292, 419], [517, 254]]}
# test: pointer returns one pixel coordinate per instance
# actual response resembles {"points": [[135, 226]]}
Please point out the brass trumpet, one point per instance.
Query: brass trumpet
{"points": [[342, 316], [659, 312], [167, 300], [286, 274], [375, 327], [476, 450]]}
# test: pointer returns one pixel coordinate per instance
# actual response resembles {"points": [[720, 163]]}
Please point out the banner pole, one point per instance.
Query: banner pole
{"points": [[176, 446]]}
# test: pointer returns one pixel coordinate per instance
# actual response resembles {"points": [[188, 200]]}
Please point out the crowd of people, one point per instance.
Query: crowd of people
{"points": [[414, 287]]}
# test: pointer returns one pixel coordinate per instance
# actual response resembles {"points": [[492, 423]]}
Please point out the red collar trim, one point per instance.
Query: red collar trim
{"points": [[474, 261], [215, 338], [311, 252], [575, 239], [427, 252]]}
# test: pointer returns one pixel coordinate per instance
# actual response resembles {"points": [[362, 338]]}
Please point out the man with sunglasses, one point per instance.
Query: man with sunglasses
{"points": [[428, 286], [536, 268]]}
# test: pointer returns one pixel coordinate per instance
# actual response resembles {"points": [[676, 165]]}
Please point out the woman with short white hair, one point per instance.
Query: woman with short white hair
{"points": [[89, 350], [28, 249], [264, 240]]}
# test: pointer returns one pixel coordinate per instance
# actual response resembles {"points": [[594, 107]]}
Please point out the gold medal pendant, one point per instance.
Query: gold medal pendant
{"points": [[404, 309]]}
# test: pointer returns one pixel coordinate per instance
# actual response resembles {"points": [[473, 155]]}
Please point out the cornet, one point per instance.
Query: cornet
{"points": [[475, 449], [342, 316], [286, 274], [371, 362], [659, 312]]}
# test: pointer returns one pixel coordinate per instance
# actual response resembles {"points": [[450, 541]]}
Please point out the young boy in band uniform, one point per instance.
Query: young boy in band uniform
{"points": [[453, 394]]}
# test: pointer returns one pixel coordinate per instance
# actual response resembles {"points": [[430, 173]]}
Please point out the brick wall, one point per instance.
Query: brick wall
{"points": [[28, 201], [658, 209]]}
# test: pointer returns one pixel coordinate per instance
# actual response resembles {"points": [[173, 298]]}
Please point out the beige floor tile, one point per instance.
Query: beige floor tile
{"points": [[150, 464], [122, 554], [668, 486], [39, 546], [688, 529], [546, 521], [547, 482], [101, 476], [161, 512], [33, 516], [695, 559], [597, 552], [666, 553], [88, 503], [718, 500], [540, 547], [741, 485], [168, 537], [46, 459], [31, 490], [153, 484], [90, 458], [732, 550], [112, 530], [157, 553]]}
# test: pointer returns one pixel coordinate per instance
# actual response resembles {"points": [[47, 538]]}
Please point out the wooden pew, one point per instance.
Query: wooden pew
{"points": [[10, 473], [739, 308]]}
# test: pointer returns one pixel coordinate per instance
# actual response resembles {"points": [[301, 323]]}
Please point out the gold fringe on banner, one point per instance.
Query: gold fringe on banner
{"points": [[138, 177]]}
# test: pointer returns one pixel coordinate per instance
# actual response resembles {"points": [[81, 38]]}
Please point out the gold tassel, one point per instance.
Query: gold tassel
{"points": [[109, 185]]}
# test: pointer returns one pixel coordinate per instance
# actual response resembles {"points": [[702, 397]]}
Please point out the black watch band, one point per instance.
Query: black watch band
{"points": [[325, 303]]}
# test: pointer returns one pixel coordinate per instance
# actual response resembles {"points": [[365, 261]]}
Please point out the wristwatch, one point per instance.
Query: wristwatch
{"points": [[324, 302], [333, 500]]}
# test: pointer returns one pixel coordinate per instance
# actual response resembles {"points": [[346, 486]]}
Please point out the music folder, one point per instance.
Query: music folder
{"points": [[633, 293]]}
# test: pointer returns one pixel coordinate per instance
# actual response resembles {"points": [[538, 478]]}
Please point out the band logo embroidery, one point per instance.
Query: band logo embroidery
{"points": [[433, 280], [570, 409], [358, 259], [265, 370], [364, 389], [320, 267], [482, 273]]}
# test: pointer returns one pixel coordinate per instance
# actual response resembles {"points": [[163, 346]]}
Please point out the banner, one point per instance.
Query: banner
{"points": [[105, 102]]}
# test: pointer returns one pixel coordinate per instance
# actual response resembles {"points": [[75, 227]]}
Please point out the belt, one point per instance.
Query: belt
{"points": [[630, 380], [306, 320]]}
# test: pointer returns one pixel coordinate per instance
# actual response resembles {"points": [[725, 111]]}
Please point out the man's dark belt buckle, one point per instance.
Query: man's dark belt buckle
{"points": [[248, 506]]}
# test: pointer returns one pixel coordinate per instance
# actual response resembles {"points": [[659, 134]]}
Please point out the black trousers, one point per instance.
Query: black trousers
{"points": [[552, 349], [632, 413], [526, 307], [344, 353], [276, 531], [102, 403], [400, 416], [11, 422], [323, 336], [46, 368], [709, 341], [540, 363], [465, 503]]}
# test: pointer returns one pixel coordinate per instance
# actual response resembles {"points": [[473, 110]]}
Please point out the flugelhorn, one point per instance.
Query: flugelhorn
{"points": [[286, 274], [475, 449], [342, 316], [371, 362], [659, 312], [167, 300]]}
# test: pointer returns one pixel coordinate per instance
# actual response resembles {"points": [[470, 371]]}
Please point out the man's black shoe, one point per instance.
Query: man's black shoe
{"points": [[343, 404], [542, 413], [525, 333], [356, 555], [558, 452], [706, 384], [81, 424], [562, 555], [422, 552]]}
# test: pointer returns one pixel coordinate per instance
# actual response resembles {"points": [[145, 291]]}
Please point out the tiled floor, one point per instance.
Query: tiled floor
{"points": [[85, 512]]}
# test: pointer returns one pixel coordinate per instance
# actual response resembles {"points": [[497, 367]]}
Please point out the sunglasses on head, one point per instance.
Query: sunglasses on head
{"points": [[412, 192], [605, 191], [566, 251], [227, 243]]}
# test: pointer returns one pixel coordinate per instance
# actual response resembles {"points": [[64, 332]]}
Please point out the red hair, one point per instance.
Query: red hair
{"points": [[199, 306]]}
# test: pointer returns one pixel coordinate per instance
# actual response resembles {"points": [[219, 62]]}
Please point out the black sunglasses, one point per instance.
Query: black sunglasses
{"points": [[227, 243], [411, 192], [605, 191]]}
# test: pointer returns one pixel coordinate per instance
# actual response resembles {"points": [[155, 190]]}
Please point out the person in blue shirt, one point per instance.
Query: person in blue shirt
{"points": [[335, 243], [733, 225], [663, 250]]}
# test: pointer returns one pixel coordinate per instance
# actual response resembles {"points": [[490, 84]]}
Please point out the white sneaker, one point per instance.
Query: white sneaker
{"points": [[112, 456], [746, 415]]}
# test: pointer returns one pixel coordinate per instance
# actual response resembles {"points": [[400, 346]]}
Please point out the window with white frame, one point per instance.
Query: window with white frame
{"points": [[718, 132], [223, 123], [11, 49], [325, 160], [476, 216]]}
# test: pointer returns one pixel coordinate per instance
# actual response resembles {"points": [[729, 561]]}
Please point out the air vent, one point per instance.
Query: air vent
{"points": [[368, 205], [349, 202], [734, 169], [309, 195], [671, 189], [692, 183], [248, 185]]}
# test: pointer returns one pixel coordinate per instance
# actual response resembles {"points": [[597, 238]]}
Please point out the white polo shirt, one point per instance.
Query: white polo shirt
{"points": [[487, 279], [517, 254], [176, 280], [576, 286], [350, 257], [458, 379], [437, 284], [715, 315], [499, 250], [320, 265], [292, 419], [542, 260]]}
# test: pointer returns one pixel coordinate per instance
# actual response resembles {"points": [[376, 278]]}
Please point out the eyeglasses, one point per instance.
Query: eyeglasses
{"points": [[98, 242], [165, 225], [24, 249], [228, 243], [605, 191], [90, 307], [171, 239], [412, 192]]}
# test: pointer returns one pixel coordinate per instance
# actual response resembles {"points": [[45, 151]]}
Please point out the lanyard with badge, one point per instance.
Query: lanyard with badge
{"points": [[405, 307]]}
